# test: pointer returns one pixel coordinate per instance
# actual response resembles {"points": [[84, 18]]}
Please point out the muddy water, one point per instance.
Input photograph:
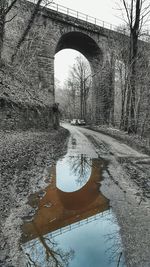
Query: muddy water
{"points": [[73, 224]]}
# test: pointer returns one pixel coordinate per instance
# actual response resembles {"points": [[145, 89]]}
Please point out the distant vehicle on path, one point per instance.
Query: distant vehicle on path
{"points": [[81, 122], [78, 122], [74, 122]]}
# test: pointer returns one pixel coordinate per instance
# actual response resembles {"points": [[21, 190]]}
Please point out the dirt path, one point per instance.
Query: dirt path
{"points": [[127, 185]]}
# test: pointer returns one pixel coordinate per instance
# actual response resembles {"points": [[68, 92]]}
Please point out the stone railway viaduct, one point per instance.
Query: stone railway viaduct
{"points": [[53, 31]]}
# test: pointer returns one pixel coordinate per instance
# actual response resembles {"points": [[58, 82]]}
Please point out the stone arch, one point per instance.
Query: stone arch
{"points": [[84, 44], [81, 42], [53, 31], [91, 49]]}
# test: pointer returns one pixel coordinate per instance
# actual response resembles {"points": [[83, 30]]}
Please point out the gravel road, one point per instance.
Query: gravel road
{"points": [[127, 186]]}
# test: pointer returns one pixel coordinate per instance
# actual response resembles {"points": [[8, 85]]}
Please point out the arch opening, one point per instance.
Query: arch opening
{"points": [[87, 46], [73, 84]]}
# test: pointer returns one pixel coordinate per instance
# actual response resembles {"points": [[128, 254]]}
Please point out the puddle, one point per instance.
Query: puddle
{"points": [[73, 225], [75, 174]]}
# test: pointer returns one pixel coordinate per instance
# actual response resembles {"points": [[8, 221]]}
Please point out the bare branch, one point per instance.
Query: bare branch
{"points": [[127, 12], [28, 27], [10, 7], [11, 19], [148, 12], [131, 13]]}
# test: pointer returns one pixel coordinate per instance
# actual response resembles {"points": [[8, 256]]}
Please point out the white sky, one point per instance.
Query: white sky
{"points": [[63, 61], [101, 9]]}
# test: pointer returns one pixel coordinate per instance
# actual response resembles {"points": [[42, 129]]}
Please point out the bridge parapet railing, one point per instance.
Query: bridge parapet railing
{"points": [[82, 16], [93, 20], [78, 224]]}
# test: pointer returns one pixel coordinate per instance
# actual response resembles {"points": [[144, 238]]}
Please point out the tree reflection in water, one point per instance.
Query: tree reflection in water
{"points": [[113, 243], [71, 210], [81, 166], [44, 252]]}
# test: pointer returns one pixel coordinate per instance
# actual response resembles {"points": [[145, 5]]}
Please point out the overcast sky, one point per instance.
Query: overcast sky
{"points": [[105, 10], [101, 9]]}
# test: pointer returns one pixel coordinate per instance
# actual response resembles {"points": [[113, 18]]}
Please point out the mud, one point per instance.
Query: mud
{"points": [[25, 159]]}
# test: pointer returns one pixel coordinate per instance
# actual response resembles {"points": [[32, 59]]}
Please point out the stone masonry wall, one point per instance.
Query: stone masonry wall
{"points": [[34, 65], [25, 101], [14, 116], [20, 111]]}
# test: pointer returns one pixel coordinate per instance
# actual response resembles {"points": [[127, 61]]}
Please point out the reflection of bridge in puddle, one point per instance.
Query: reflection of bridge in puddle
{"points": [[75, 225], [60, 211]]}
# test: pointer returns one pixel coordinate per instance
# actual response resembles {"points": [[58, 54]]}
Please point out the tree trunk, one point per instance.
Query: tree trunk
{"points": [[2, 23], [132, 82], [81, 99], [134, 32]]}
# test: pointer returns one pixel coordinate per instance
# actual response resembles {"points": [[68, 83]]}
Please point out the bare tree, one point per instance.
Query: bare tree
{"points": [[80, 76], [51, 255], [122, 84], [73, 97], [81, 167], [68, 98], [28, 27], [120, 56], [137, 15], [5, 8]]}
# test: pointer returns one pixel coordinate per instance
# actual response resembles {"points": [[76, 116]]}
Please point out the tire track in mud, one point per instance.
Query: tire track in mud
{"points": [[138, 170]]}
